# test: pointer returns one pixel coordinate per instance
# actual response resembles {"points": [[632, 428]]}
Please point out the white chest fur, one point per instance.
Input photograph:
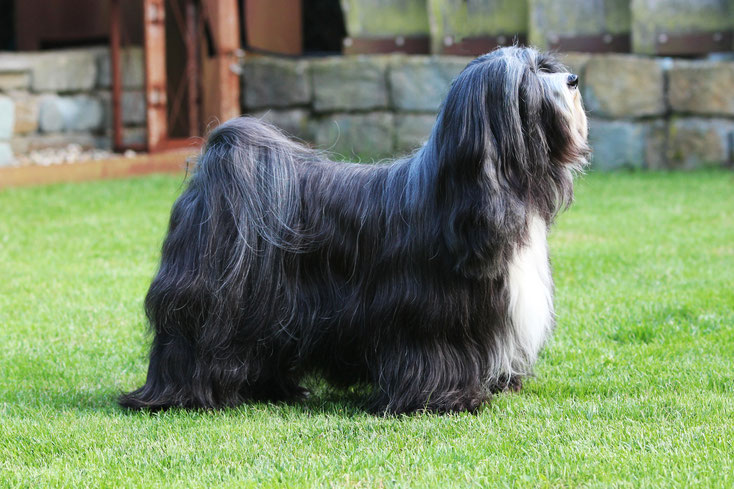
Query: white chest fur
{"points": [[530, 298]]}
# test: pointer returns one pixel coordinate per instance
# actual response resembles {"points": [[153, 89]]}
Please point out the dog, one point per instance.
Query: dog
{"points": [[426, 279]]}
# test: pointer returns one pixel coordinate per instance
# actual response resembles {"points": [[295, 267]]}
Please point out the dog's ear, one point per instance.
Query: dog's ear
{"points": [[463, 130], [480, 144], [490, 123]]}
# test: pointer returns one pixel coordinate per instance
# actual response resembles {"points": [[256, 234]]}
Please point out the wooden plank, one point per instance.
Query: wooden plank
{"points": [[274, 26], [155, 72], [117, 167], [192, 69], [224, 21], [220, 83], [116, 74]]}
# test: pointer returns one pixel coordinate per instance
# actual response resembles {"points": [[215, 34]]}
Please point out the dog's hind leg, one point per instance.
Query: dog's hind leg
{"points": [[197, 375], [436, 377], [194, 360], [217, 303], [169, 377]]}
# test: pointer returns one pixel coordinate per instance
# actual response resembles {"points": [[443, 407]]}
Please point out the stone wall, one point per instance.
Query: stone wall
{"points": [[644, 112], [357, 106], [54, 98], [660, 113]]}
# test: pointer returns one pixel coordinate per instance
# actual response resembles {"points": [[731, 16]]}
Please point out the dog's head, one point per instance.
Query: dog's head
{"points": [[518, 112]]}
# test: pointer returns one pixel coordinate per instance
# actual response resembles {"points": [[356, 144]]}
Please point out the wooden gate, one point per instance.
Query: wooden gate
{"points": [[191, 69]]}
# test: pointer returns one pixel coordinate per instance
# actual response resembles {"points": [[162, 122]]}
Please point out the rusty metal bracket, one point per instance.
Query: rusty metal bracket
{"points": [[693, 43], [596, 43], [395, 44]]}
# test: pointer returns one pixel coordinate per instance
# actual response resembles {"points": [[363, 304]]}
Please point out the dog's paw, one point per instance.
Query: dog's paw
{"points": [[506, 384]]}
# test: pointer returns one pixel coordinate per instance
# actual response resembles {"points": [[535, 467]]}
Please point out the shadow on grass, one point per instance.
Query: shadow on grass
{"points": [[325, 402]]}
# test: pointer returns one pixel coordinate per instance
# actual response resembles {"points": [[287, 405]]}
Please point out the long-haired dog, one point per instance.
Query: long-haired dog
{"points": [[427, 277]]}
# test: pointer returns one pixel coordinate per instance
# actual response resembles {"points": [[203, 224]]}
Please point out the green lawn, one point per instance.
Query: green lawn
{"points": [[636, 388]]}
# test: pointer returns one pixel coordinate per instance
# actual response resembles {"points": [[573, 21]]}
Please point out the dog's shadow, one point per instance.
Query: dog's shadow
{"points": [[321, 400]]}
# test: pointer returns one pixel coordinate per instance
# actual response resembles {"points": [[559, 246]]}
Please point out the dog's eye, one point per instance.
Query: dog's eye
{"points": [[572, 81]]}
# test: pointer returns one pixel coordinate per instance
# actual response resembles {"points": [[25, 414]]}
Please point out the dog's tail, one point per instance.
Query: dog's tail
{"points": [[223, 263]]}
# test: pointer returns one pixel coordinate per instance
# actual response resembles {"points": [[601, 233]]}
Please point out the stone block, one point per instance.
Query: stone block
{"points": [[14, 72], [624, 86], [617, 144], [696, 142], [702, 88], [65, 71], [356, 136], [132, 104], [89, 114], [627, 144], [294, 122], [133, 108], [78, 113], [132, 68], [349, 83], [272, 82], [7, 117], [26, 112], [14, 80], [6, 155], [420, 83], [412, 130], [55, 113]]}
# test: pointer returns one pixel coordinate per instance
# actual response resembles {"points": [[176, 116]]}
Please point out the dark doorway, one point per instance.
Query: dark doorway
{"points": [[7, 25], [323, 27]]}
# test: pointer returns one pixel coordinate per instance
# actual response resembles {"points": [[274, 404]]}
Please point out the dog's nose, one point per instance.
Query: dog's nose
{"points": [[573, 81]]}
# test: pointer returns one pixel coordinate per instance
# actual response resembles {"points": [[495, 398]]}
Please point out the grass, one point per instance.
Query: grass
{"points": [[636, 388]]}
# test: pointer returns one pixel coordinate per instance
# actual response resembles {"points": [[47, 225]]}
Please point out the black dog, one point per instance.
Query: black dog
{"points": [[427, 278]]}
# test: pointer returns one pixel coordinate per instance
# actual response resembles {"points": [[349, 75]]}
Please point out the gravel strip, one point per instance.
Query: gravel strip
{"points": [[73, 153]]}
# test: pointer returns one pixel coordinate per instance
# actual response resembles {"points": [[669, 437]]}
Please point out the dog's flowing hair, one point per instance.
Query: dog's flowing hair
{"points": [[426, 278]]}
